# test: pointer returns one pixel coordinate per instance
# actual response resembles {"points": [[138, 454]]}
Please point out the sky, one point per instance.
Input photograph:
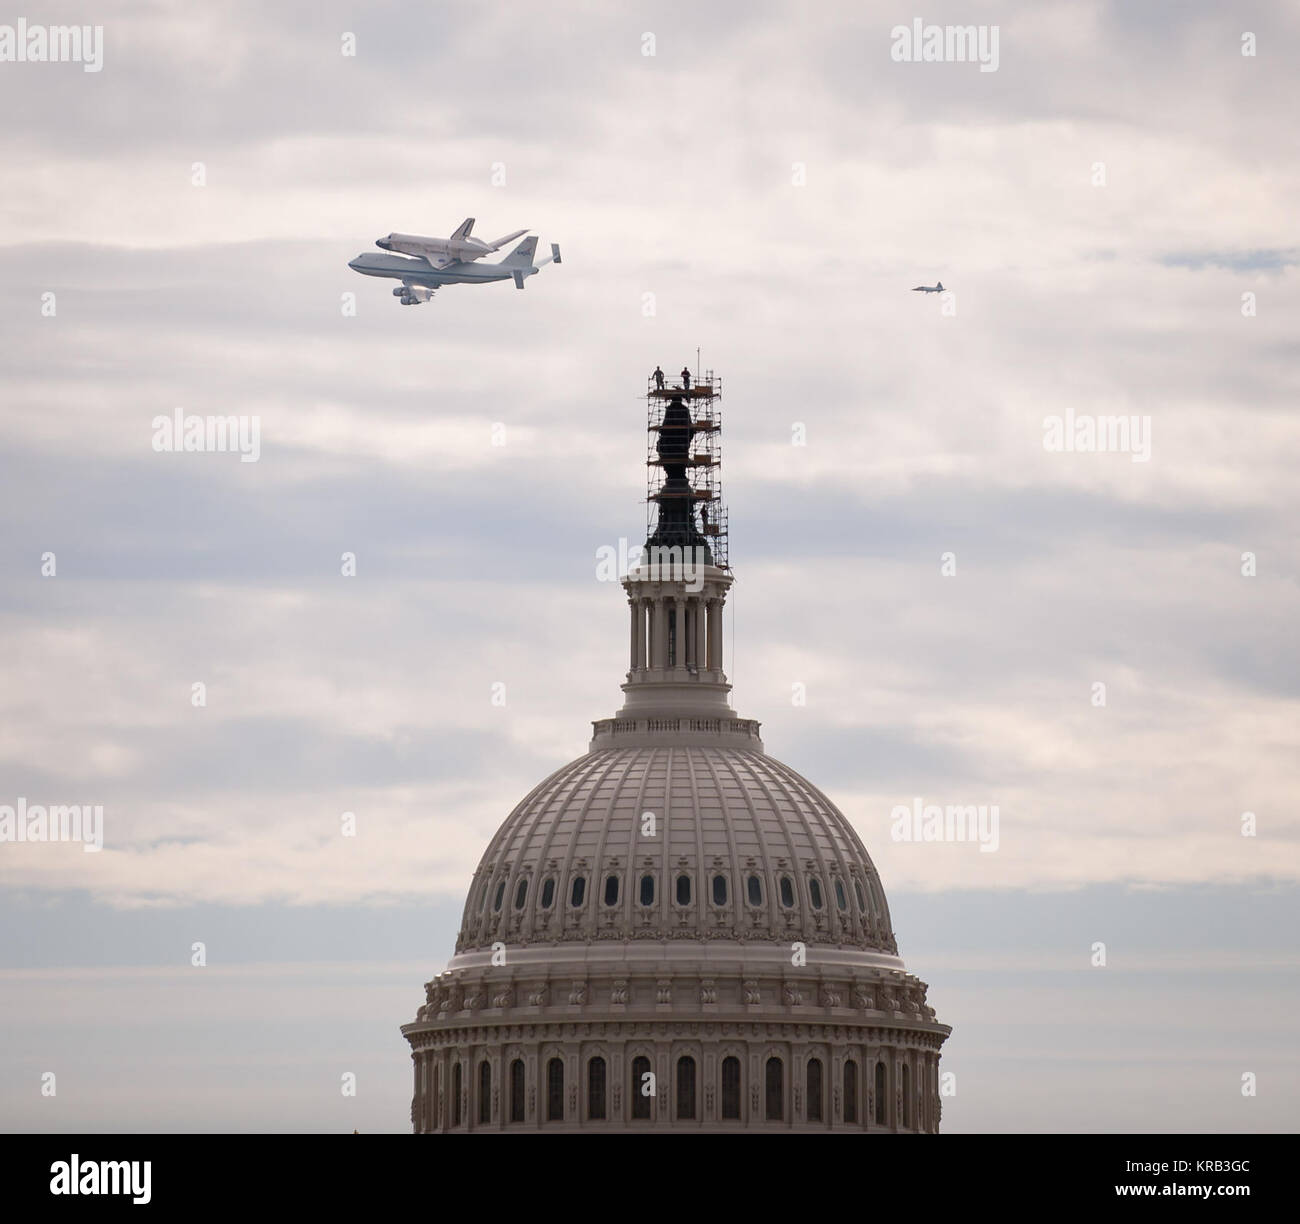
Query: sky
{"points": [[928, 597]]}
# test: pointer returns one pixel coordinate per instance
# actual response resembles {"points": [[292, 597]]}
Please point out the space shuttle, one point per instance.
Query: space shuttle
{"points": [[460, 247]]}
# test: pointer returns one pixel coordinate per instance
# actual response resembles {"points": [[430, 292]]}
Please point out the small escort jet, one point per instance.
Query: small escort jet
{"points": [[937, 287]]}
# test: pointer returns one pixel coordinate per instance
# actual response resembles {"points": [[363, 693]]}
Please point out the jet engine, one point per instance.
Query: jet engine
{"points": [[413, 295]]}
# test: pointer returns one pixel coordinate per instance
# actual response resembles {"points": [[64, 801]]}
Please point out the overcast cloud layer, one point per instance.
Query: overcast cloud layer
{"points": [[776, 185]]}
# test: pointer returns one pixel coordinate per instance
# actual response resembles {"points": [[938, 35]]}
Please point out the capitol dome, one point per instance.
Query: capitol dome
{"points": [[676, 931], [743, 848]]}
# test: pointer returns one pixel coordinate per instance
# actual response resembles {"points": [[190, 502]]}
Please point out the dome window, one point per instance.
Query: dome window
{"points": [[731, 1089], [813, 1097], [611, 890], [774, 1085], [642, 1087], [686, 1087], [850, 1090], [501, 895], [719, 890], [596, 1089], [521, 894], [578, 894], [787, 892], [517, 1090], [755, 887], [647, 891], [862, 901], [548, 894], [840, 899], [555, 1090], [683, 889], [815, 893], [484, 1092]]}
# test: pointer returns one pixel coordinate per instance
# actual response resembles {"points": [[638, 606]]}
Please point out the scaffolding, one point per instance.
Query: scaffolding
{"points": [[684, 505]]}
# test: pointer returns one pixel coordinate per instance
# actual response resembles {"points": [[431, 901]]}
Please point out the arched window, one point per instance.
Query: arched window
{"points": [[719, 890], [814, 1078], [850, 1090], [555, 1090], [755, 890], [517, 1090], [882, 1101], [484, 1092], [611, 890], [501, 892], [647, 890], [787, 892], [455, 1095], [548, 894], [907, 1095], [775, 1090], [815, 893], [686, 1087], [683, 890], [578, 894], [642, 1087], [840, 899], [521, 894], [596, 1089], [731, 1088], [862, 901]]}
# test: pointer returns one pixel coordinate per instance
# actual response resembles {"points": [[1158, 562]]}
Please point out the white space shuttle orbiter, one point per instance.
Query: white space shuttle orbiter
{"points": [[441, 252]]}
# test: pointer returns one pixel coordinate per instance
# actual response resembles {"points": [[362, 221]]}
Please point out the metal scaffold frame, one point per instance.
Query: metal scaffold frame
{"points": [[703, 465]]}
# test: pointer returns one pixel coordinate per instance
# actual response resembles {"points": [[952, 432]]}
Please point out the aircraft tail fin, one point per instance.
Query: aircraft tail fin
{"points": [[463, 229], [497, 243], [522, 255]]}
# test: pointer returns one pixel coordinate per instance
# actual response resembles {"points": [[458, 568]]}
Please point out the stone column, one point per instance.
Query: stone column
{"points": [[420, 1095], [633, 608], [435, 1090], [659, 639], [715, 635], [699, 613]]}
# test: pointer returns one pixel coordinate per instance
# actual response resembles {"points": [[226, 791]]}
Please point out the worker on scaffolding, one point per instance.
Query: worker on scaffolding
{"points": [[659, 379], [686, 378]]}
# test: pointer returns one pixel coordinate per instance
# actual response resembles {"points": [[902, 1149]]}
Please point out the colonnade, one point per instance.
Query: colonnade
{"points": [[676, 631]]}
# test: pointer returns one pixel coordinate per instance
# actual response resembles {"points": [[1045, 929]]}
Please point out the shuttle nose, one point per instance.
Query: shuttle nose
{"points": [[384, 244]]}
